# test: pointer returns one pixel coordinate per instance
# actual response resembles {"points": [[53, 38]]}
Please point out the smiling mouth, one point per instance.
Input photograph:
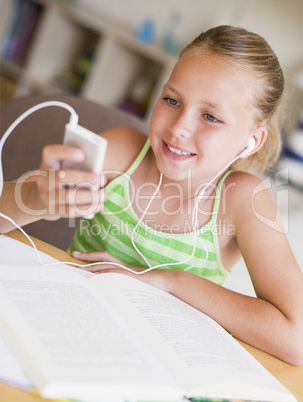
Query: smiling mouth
{"points": [[178, 151]]}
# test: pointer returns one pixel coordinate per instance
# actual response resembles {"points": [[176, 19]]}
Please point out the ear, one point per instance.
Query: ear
{"points": [[258, 137]]}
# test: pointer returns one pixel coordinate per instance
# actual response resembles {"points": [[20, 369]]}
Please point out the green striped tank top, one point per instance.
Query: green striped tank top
{"points": [[111, 230]]}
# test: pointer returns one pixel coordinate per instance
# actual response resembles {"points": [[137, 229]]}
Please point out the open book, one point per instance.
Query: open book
{"points": [[86, 336]]}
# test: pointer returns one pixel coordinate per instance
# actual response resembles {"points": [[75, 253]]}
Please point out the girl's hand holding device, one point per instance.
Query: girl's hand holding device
{"points": [[72, 185]]}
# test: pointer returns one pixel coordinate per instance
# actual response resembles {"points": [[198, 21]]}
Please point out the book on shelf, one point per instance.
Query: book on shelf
{"points": [[17, 38], [73, 78], [7, 88], [85, 336]]}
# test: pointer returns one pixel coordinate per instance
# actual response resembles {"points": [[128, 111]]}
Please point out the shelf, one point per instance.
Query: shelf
{"points": [[11, 69], [7, 87], [75, 51], [121, 35]]}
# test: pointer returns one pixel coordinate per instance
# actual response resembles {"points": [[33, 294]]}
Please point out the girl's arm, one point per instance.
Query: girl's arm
{"points": [[52, 192], [273, 321], [10, 205]]}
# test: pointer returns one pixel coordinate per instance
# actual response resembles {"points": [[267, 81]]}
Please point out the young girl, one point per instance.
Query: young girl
{"points": [[183, 200]]}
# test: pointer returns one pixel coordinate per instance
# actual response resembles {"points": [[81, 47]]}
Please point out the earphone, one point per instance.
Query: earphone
{"points": [[74, 120], [250, 146]]}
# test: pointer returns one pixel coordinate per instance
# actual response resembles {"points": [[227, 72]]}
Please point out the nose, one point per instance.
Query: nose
{"points": [[182, 125]]}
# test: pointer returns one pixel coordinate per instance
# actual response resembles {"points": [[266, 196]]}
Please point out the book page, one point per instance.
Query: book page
{"points": [[13, 252], [64, 331], [193, 347], [11, 371]]}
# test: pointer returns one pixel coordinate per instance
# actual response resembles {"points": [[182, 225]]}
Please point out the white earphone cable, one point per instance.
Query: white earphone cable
{"points": [[74, 120], [139, 252], [195, 212]]}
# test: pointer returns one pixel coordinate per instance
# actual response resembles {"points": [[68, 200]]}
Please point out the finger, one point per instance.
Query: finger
{"points": [[78, 179], [92, 256], [70, 186], [53, 155], [71, 211], [100, 269], [105, 269], [55, 192], [80, 197], [105, 263]]}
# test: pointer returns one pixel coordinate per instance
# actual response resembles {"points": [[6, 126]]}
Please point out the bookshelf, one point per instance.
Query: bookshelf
{"points": [[62, 47]]}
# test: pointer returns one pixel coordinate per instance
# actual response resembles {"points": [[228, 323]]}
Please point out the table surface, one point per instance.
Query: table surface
{"points": [[290, 376]]}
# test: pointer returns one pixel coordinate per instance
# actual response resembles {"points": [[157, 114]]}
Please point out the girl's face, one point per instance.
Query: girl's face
{"points": [[202, 119]]}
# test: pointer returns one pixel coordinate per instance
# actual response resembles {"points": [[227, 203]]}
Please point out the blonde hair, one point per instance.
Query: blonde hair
{"points": [[252, 54]]}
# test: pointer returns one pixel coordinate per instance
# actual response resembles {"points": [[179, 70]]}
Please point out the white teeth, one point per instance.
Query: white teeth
{"points": [[177, 151]]}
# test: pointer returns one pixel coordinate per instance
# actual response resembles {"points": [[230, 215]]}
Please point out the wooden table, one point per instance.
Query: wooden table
{"points": [[290, 376]]}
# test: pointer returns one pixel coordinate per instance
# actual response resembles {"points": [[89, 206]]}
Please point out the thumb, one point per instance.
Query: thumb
{"points": [[53, 155]]}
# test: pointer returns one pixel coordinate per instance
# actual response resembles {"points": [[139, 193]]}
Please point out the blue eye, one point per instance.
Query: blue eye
{"points": [[171, 101], [212, 118]]}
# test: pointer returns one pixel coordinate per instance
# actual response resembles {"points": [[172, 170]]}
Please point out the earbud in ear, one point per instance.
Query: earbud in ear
{"points": [[249, 148]]}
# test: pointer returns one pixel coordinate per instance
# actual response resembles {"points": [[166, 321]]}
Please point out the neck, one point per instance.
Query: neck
{"points": [[188, 188]]}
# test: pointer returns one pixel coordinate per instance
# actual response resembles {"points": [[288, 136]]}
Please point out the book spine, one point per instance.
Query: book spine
{"points": [[11, 27], [19, 37]]}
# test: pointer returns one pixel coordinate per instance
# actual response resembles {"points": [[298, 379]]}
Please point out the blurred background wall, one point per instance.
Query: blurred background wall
{"points": [[280, 22], [53, 42]]}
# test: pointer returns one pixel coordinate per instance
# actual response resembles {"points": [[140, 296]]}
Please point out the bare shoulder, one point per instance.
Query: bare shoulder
{"points": [[249, 200], [243, 186], [124, 145], [243, 180]]}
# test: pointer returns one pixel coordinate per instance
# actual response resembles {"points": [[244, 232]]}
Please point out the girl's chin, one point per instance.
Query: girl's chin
{"points": [[174, 174], [173, 167]]}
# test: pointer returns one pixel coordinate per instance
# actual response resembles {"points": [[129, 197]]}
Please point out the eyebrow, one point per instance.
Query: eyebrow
{"points": [[213, 105], [167, 86]]}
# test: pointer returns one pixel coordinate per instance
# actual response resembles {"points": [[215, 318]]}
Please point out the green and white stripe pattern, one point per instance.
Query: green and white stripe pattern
{"points": [[111, 231]]}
